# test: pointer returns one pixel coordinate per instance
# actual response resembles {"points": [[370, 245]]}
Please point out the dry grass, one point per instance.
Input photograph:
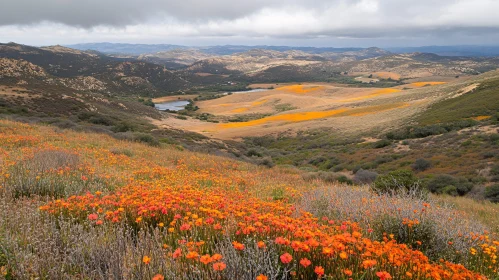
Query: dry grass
{"points": [[484, 212], [387, 75], [441, 229], [240, 110]]}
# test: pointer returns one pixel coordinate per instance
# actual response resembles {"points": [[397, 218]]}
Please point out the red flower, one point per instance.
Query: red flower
{"points": [[305, 262], [219, 266], [238, 246], [93, 216], [319, 270], [383, 275], [177, 253], [158, 277], [206, 259], [286, 258]]}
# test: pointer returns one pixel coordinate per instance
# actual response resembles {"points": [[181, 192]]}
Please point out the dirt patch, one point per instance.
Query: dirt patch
{"points": [[387, 75], [486, 129], [370, 139], [467, 89]]}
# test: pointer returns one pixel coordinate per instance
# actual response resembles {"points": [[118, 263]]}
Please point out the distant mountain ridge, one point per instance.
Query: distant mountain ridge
{"points": [[470, 51], [137, 49]]}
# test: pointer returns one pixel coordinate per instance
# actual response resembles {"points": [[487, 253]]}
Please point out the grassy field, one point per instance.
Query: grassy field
{"points": [[86, 206]]}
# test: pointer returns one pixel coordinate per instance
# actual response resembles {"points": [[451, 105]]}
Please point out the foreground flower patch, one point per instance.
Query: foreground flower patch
{"points": [[196, 219]]}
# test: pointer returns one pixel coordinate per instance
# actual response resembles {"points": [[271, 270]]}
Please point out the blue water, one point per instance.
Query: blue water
{"points": [[171, 105], [252, 90]]}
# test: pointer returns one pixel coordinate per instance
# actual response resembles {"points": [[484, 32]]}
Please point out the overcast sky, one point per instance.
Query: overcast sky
{"points": [[335, 23]]}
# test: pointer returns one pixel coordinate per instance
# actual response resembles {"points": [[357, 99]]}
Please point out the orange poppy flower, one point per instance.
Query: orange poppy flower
{"points": [[305, 262], [219, 266], [286, 258]]}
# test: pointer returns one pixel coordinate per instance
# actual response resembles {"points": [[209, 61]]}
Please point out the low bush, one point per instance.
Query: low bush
{"points": [[382, 143], [123, 127], [146, 138], [447, 184], [492, 193], [421, 164], [429, 130], [396, 181], [365, 176], [266, 161]]}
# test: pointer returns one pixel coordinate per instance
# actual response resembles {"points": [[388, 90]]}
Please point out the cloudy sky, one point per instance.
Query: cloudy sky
{"points": [[336, 23]]}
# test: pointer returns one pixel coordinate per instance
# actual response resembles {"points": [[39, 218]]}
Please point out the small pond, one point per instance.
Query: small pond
{"points": [[172, 105]]}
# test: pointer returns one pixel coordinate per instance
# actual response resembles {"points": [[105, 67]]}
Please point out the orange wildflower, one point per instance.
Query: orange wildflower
{"points": [[192, 255], [383, 275], [158, 277], [177, 253], [261, 277], [286, 258], [319, 270], [217, 257], [343, 255], [206, 259], [368, 263], [305, 262], [219, 266], [238, 246]]}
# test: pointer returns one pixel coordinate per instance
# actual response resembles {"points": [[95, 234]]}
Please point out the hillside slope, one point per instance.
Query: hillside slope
{"points": [[95, 72], [94, 207]]}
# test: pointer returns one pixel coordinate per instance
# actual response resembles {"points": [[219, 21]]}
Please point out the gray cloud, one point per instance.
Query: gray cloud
{"points": [[154, 19]]}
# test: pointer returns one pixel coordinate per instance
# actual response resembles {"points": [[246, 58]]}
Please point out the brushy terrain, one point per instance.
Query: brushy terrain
{"points": [[87, 206]]}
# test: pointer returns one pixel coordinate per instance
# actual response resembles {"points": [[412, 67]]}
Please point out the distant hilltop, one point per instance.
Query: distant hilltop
{"points": [[137, 49]]}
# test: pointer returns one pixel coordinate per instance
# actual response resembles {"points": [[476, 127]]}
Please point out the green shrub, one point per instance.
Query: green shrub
{"points": [[266, 161], [344, 179], [382, 143], [278, 194], [429, 130], [492, 193], [421, 164], [123, 127], [145, 138], [447, 184], [399, 180], [121, 151], [253, 153]]}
